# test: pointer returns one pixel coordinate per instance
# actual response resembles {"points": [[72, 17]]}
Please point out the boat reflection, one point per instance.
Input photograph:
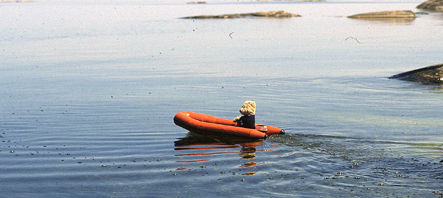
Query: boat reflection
{"points": [[200, 148]]}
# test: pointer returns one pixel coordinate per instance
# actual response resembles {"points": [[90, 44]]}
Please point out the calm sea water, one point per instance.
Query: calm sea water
{"points": [[89, 90]]}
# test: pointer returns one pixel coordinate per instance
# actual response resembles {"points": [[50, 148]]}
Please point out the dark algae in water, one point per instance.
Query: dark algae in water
{"points": [[373, 167]]}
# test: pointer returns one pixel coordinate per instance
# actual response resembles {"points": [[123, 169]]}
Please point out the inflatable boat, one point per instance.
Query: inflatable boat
{"points": [[211, 125]]}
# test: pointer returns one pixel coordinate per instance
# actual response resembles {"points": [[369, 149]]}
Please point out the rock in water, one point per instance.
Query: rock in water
{"points": [[434, 5], [197, 2], [270, 14], [385, 14], [427, 75]]}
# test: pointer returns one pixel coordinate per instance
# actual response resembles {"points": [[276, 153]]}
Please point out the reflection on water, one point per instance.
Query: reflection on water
{"points": [[403, 21], [200, 148]]}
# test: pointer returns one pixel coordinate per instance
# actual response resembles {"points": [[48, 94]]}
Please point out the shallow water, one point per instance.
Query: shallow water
{"points": [[89, 90]]}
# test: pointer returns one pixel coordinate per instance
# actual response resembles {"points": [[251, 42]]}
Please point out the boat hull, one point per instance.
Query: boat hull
{"points": [[211, 125]]}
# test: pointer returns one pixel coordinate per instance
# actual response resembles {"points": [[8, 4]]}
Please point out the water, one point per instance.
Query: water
{"points": [[89, 90]]}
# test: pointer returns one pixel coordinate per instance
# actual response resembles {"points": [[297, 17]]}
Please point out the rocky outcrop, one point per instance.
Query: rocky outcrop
{"points": [[434, 5], [197, 2], [385, 14], [16, 1], [291, 0], [270, 14], [427, 75]]}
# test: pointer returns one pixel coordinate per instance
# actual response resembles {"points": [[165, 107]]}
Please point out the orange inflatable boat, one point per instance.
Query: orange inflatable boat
{"points": [[210, 125]]}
